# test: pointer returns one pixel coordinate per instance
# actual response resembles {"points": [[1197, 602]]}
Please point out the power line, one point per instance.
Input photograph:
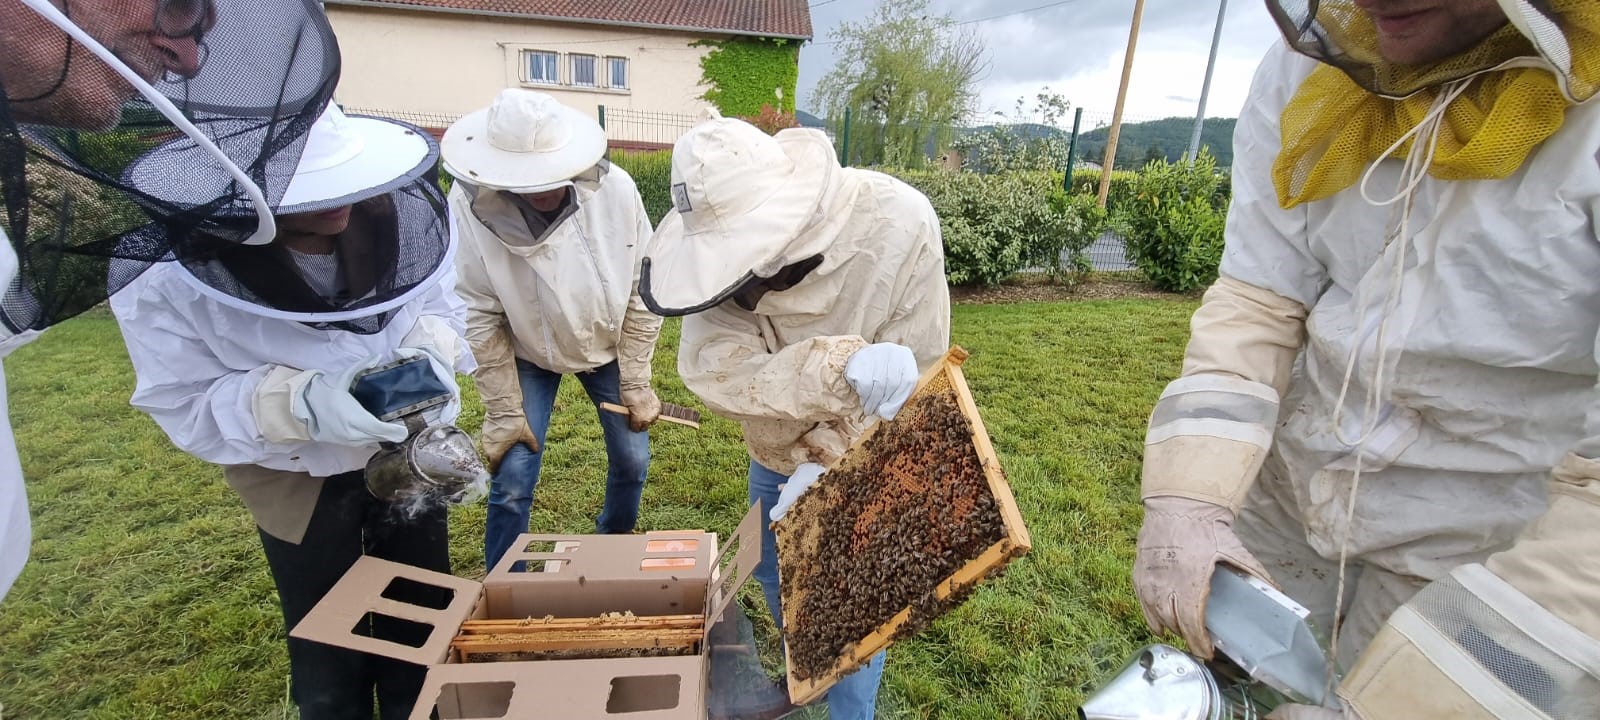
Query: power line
{"points": [[820, 4], [1016, 12]]}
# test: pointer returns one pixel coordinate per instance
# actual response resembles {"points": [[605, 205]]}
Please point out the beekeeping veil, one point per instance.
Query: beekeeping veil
{"points": [[1485, 108], [394, 246], [87, 86], [1541, 34]]}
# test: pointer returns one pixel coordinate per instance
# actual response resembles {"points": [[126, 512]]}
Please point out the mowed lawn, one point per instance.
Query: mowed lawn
{"points": [[147, 595]]}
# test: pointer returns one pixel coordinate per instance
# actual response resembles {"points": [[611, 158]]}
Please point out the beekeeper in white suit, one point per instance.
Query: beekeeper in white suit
{"points": [[258, 73], [814, 295], [246, 358], [1391, 389], [551, 239]]}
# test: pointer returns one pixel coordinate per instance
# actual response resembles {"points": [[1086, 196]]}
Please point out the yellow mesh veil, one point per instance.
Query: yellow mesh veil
{"points": [[1355, 107]]}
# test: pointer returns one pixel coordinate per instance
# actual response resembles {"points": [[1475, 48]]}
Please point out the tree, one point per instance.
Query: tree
{"points": [[907, 76], [1028, 139]]}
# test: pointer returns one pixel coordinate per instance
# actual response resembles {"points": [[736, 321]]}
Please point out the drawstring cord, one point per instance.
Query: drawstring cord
{"points": [[1418, 160]]}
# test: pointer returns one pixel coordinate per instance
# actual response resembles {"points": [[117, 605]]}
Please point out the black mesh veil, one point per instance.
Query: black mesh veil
{"points": [[239, 80], [361, 231], [395, 248]]}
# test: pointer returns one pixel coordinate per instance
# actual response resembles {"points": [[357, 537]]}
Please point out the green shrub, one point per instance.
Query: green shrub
{"points": [[1076, 221], [1087, 182], [652, 172], [1173, 223], [996, 225]]}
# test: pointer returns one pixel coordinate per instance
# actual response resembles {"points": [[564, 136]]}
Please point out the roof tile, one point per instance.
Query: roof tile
{"points": [[776, 18]]}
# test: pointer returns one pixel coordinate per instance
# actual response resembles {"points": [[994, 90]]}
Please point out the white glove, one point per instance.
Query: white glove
{"points": [[332, 415], [883, 374], [803, 478]]}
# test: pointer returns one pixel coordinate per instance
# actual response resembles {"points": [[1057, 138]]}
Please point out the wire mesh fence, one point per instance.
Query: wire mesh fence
{"points": [[435, 123], [643, 129]]}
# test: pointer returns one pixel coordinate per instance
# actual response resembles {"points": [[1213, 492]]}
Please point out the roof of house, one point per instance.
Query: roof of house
{"points": [[764, 18]]}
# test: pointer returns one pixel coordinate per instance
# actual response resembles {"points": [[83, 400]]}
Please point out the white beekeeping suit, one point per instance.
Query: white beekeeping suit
{"points": [[1435, 353], [14, 524], [779, 367], [228, 349]]}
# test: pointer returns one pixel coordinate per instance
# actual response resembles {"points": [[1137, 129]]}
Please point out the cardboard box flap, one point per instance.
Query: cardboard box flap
{"points": [[735, 564], [364, 590], [632, 688]]}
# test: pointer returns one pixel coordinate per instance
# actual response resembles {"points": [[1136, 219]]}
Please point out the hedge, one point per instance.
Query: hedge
{"points": [[1173, 223], [652, 172], [997, 225]]}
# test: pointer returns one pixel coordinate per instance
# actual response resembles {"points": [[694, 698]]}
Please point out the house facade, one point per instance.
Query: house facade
{"points": [[431, 61]]}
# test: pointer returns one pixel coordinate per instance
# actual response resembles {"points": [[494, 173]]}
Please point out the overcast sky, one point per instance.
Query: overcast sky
{"points": [[1076, 48]]}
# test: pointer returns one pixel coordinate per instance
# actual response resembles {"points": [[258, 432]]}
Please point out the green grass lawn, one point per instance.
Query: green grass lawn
{"points": [[147, 595]]}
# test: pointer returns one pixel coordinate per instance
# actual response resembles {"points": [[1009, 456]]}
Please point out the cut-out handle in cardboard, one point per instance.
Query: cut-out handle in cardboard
{"points": [[360, 592], [566, 689]]}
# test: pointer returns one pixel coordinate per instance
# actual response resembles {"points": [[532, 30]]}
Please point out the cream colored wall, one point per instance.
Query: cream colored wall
{"points": [[403, 61]]}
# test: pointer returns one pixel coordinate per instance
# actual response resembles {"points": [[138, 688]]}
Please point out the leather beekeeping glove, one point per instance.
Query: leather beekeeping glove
{"points": [[1180, 544]]}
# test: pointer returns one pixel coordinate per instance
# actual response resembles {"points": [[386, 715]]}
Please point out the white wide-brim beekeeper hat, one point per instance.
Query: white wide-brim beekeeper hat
{"points": [[346, 160], [524, 142], [742, 203]]}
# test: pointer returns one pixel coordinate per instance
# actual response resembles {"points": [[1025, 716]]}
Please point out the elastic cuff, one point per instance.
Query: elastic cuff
{"points": [[274, 401], [839, 354]]}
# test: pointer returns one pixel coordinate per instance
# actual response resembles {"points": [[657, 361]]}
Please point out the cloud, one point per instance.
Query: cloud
{"points": [[1076, 48]]}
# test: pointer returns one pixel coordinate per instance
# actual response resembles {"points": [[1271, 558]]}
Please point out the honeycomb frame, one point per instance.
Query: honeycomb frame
{"points": [[799, 533]]}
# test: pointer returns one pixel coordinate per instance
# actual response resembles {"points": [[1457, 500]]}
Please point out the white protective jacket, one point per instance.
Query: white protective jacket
{"points": [[1491, 367], [198, 363], [569, 298], [15, 530], [779, 370]]}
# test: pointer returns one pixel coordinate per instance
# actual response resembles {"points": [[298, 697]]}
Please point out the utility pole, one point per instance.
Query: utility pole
{"points": [[1205, 88], [1122, 97]]}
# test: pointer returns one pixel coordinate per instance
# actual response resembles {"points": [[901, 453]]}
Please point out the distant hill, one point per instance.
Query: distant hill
{"points": [[808, 120], [1168, 138]]}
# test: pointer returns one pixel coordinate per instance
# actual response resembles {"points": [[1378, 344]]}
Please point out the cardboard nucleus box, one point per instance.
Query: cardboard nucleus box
{"points": [[565, 626]]}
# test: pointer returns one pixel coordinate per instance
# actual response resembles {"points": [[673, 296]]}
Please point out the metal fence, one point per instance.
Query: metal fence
{"points": [[434, 123], [625, 128], [642, 129]]}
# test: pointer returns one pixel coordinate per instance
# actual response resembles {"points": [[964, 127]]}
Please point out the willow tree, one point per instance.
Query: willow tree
{"points": [[908, 77]]}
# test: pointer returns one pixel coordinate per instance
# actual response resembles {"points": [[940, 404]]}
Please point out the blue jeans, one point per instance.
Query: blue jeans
{"points": [[855, 697], [627, 459]]}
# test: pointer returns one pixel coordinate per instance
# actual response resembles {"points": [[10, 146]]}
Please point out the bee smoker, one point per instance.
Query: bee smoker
{"points": [[1164, 683], [1266, 656], [436, 462]]}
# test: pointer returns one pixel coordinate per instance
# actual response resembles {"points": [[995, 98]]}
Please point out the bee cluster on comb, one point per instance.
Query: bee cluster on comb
{"points": [[897, 533]]}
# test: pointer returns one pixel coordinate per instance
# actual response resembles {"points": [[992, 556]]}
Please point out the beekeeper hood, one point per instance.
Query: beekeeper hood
{"points": [[742, 204], [1514, 87], [394, 246], [524, 142], [88, 86]]}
